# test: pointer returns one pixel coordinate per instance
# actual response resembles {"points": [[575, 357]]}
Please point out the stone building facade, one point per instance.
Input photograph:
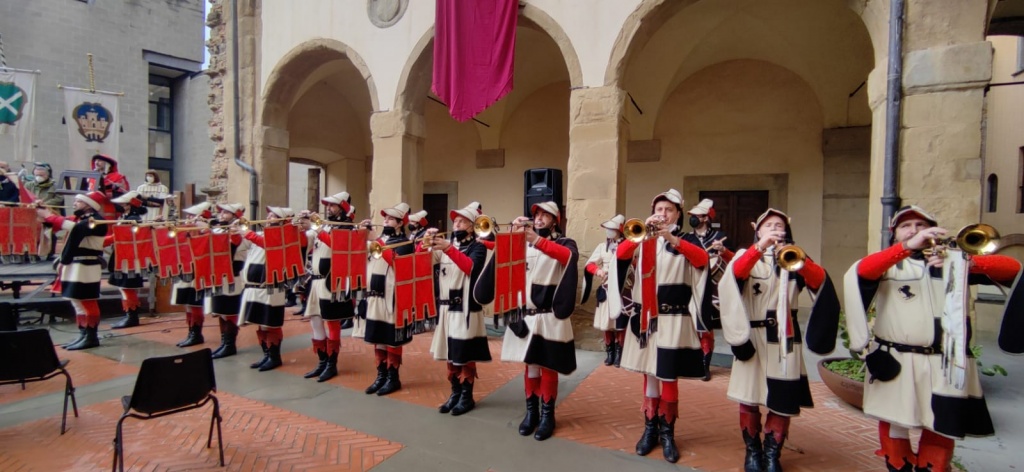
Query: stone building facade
{"points": [[780, 101], [152, 51]]}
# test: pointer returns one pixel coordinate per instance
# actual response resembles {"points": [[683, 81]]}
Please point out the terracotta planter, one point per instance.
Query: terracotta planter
{"points": [[848, 390]]}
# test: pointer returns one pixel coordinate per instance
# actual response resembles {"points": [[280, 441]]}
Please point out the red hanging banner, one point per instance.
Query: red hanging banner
{"points": [[648, 277], [509, 272], [414, 289], [212, 260], [284, 253], [21, 235], [133, 249], [173, 254], [348, 260]]}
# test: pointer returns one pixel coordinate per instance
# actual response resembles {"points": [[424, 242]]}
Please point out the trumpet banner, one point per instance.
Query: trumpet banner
{"points": [[509, 272], [284, 253], [173, 254], [21, 233], [348, 260], [211, 257], [133, 249], [414, 289], [648, 277]]}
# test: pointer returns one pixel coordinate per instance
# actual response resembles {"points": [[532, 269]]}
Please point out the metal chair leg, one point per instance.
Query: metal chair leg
{"points": [[220, 439], [118, 447]]}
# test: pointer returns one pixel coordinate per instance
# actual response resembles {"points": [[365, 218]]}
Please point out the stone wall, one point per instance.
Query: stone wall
{"points": [[220, 50]]}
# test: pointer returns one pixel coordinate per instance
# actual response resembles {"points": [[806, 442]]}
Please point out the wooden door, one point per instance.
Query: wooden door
{"points": [[436, 205], [735, 211]]}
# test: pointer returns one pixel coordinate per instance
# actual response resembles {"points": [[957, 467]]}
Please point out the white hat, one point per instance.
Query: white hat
{"points": [[399, 212], [96, 200], [770, 212], [547, 207], [615, 223], [671, 195], [199, 209], [703, 208], [477, 207], [130, 198], [420, 218], [911, 210], [281, 212], [236, 208], [471, 212], [337, 199]]}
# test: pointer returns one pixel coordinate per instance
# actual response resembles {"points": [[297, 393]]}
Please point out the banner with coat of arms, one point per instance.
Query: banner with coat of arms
{"points": [[93, 122], [17, 102]]}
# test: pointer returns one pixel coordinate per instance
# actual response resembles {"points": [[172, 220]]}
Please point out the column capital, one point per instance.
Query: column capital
{"points": [[596, 104], [387, 124]]}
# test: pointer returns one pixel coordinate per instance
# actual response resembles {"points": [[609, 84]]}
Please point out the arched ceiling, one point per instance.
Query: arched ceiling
{"points": [[331, 117], [822, 41]]}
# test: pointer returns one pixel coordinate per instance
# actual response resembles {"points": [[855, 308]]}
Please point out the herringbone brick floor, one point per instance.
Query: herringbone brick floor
{"points": [[256, 436], [85, 369], [171, 329], [604, 411], [424, 380]]}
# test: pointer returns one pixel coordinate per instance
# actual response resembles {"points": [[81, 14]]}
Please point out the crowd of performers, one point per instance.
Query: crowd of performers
{"points": [[660, 297]]}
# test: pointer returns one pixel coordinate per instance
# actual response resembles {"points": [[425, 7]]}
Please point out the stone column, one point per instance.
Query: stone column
{"points": [[271, 146], [397, 146], [596, 169], [313, 193], [946, 65]]}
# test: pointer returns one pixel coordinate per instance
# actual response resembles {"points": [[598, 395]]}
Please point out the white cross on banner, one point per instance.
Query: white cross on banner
{"points": [[17, 102], [94, 124]]}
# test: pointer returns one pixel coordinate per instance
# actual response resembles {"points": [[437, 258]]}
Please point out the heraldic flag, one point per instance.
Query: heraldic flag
{"points": [[17, 101], [93, 122]]}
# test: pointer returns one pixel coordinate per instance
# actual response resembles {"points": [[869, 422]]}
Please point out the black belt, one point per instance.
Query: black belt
{"points": [[666, 309], [765, 323], [374, 293], [534, 311], [928, 350], [457, 301], [319, 277]]}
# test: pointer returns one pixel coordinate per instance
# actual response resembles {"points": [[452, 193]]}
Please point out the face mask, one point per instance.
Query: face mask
{"points": [[388, 231], [694, 221], [42, 179], [149, 179], [412, 228], [544, 232], [80, 213], [460, 235], [611, 234]]}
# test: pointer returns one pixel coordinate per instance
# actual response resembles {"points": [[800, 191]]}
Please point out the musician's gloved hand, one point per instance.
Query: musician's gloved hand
{"points": [[745, 351], [519, 328]]}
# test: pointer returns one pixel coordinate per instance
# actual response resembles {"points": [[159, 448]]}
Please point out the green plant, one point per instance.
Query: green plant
{"points": [[991, 371], [852, 369]]}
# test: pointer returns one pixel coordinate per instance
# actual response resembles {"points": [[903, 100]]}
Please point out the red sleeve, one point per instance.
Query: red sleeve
{"points": [[626, 249], [697, 256], [108, 240], [554, 250], [874, 265], [236, 239], [741, 267], [488, 244], [726, 255], [324, 238], [591, 268], [389, 256], [56, 220], [256, 238], [463, 261], [813, 274], [1002, 269]]}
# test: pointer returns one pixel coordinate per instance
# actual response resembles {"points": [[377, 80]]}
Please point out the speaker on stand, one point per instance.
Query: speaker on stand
{"points": [[542, 185]]}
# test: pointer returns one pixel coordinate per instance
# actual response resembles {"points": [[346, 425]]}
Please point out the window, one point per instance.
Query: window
{"points": [[161, 121], [993, 192]]}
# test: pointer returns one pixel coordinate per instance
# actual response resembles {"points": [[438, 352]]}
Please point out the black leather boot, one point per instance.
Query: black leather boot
{"points": [[532, 417], [546, 427], [772, 451], [667, 431], [227, 346], [81, 336], [273, 360], [331, 369], [90, 340], [319, 369], [130, 320], [195, 337], [609, 350], [264, 359], [707, 366], [453, 399], [754, 461], [392, 384], [466, 402], [382, 376], [618, 355], [649, 438]]}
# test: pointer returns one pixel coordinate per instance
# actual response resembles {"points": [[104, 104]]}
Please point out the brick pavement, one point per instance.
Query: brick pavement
{"points": [[85, 369]]}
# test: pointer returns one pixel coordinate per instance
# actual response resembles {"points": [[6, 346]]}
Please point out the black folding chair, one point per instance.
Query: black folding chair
{"points": [[29, 356], [169, 385]]}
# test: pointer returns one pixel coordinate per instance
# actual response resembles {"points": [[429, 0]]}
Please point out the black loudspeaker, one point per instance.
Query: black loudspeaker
{"points": [[542, 185]]}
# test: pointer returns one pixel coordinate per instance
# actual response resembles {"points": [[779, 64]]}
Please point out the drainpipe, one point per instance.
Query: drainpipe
{"points": [[893, 99], [254, 200]]}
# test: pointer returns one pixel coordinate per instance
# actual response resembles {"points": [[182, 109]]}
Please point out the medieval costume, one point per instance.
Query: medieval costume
{"points": [[665, 347], [543, 337], [129, 284], [112, 183], [760, 301], [326, 309], [916, 377], [80, 266], [154, 194], [225, 303], [705, 236], [263, 304], [418, 225], [460, 337], [381, 318], [184, 291], [609, 299]]}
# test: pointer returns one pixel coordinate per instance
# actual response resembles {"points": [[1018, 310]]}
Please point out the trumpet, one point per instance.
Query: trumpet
{"points": [[978, 239], [36, 205], [790, 257], [174, 230], [484, 226], [316, 222], [637, 231], [93, 223], [377, 249], [244, 224]]}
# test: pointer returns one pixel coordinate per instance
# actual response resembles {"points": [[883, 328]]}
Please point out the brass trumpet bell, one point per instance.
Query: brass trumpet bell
{"points": [[483, 226], [790, 257], [635, 230], [978, 239]]}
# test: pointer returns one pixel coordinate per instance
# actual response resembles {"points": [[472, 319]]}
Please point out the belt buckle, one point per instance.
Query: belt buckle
{"points": [[456, 301], [664, 308], [771, 322], [928, 350]]}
